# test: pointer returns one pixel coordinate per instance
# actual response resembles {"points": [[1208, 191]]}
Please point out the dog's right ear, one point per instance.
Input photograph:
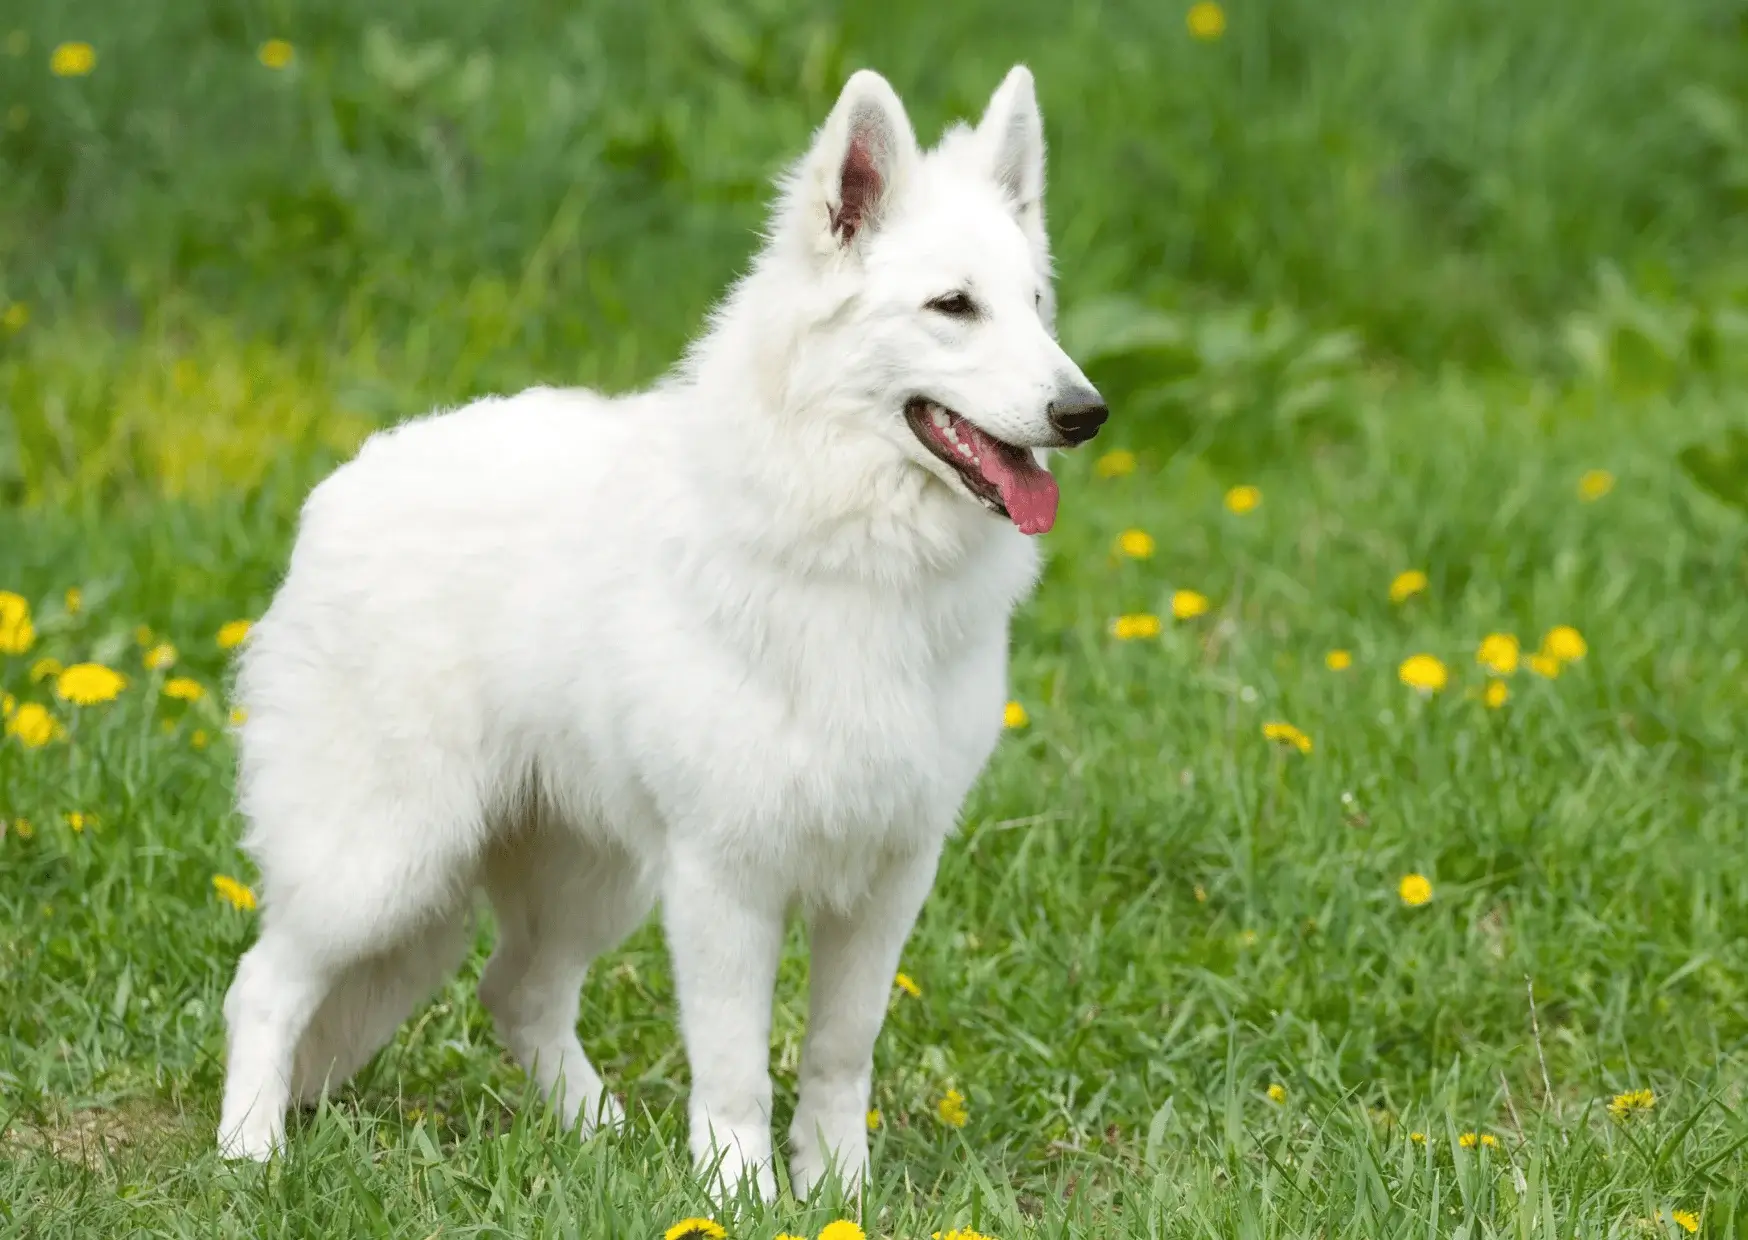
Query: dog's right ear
{"points": [[858, 165]]}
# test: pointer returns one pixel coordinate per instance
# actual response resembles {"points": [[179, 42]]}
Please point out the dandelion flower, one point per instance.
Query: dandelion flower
{"points": [[78, 822], [1498, 653], [8, 704], [874, 1120], [1469, 1140], [842, 1229], [1414, 890], [75, 600], [231, 634], [200, 739], [1423, 672], [695, 1229], [42, 669], [1633, 1103], [1594, 484], [1564, 643], [33, 726], [17, 633], [88, 684], [1131, 627], [1495, 694], [1188, 604], [1117, 464], [275, 53], [17, 315], [1419, 1138], [906, 983], [159, 657], [1544, 665], [951, 1109], [1338, 660], [72, 60], [1206, 20], [184, 689], [1136, 544], [1014, 715], [238, 716], [1287, 734], [1407, 585], [233, 893], [961, 1233], [1239, 500], [1277, 1092], [1687, 1220], [1201, 894]]}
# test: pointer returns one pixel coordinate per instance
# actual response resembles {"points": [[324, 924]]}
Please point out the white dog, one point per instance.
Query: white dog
{"points": [[731, 645]]}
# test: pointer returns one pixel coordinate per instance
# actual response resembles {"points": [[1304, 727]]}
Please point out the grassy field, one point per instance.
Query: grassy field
{"points": [[1457, 287]]}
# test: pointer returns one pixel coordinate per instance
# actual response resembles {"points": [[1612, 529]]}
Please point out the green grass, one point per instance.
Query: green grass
{"points": [[1350, 254]]}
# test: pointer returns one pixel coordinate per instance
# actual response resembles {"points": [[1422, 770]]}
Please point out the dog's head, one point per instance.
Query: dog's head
{"points": [[935, 281]]}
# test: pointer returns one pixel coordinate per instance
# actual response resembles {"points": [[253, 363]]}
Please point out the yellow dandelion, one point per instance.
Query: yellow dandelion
{"points": [[874, 1120], [22, 829], [1498, 653], [1338, 660], [1132, 627], [78, 822], [17, 633], [1423, 672], [788, 1235], [183, 689], [1201, 894], [961, 1233], [906, 983], [88, 684], [1565, 643], [231, 634], [275, 53], [72, 60], [695, 1229], [1277, 1092], [159, 657], [1136, 544], [1633, 1103], [1414, 890], [1117, 464], [951, 1109], [1239, 500], [75, 600], [1469, 1140], [1544, 665], [1594, 484], [1419, 1138], [32, 726], [1407, 585], [1287, 734], [1687, 1220], [1013, 715], [1495, 694], [842, 1229], [233, 893], [8, 704], [42, 669], [1188, 604], [1206, 20], [238, 716], [200, 739]]}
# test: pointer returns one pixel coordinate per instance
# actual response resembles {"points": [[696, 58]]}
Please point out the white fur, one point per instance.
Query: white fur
{"points": [[731, 645]]}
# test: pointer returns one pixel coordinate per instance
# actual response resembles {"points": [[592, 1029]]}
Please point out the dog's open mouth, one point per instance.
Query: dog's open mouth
{"points": [[1007, 479]]}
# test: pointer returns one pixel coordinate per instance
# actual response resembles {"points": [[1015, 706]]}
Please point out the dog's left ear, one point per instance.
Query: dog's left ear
{"points": [[858, 165], [1012, 135]]}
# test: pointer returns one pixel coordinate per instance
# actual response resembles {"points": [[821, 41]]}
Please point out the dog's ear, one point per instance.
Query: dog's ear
{"points": [[859, 162], [1012, 135], [1012, 130]]}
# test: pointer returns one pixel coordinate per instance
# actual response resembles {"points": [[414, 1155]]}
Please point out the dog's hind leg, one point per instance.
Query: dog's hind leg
{"points": [[560, 901], [368, 1002]]}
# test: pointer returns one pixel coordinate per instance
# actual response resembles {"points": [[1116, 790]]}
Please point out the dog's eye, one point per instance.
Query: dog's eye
{"points": [[954, 306]]}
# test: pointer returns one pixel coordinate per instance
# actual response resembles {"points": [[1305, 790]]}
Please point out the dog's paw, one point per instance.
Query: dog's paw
{"points": [[811, 1161], [251, 1141], [729, 1171]]}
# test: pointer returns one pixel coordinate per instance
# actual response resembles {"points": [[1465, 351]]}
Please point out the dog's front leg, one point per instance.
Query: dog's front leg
{"points": [[725, 931], [854, 957]]}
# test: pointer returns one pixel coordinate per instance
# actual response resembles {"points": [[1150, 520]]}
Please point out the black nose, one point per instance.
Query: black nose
{"points": [[1077, 414]]}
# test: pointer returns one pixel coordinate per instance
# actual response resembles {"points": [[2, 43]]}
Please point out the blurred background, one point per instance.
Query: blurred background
{"points": [[227, 227]]}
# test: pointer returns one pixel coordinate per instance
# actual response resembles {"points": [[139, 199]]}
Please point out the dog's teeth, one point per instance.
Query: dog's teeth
{"points": [[938, 416], [964, 449]]}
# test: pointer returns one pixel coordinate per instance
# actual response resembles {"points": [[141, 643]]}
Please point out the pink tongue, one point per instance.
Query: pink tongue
{"points": [[1027, 489]]}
